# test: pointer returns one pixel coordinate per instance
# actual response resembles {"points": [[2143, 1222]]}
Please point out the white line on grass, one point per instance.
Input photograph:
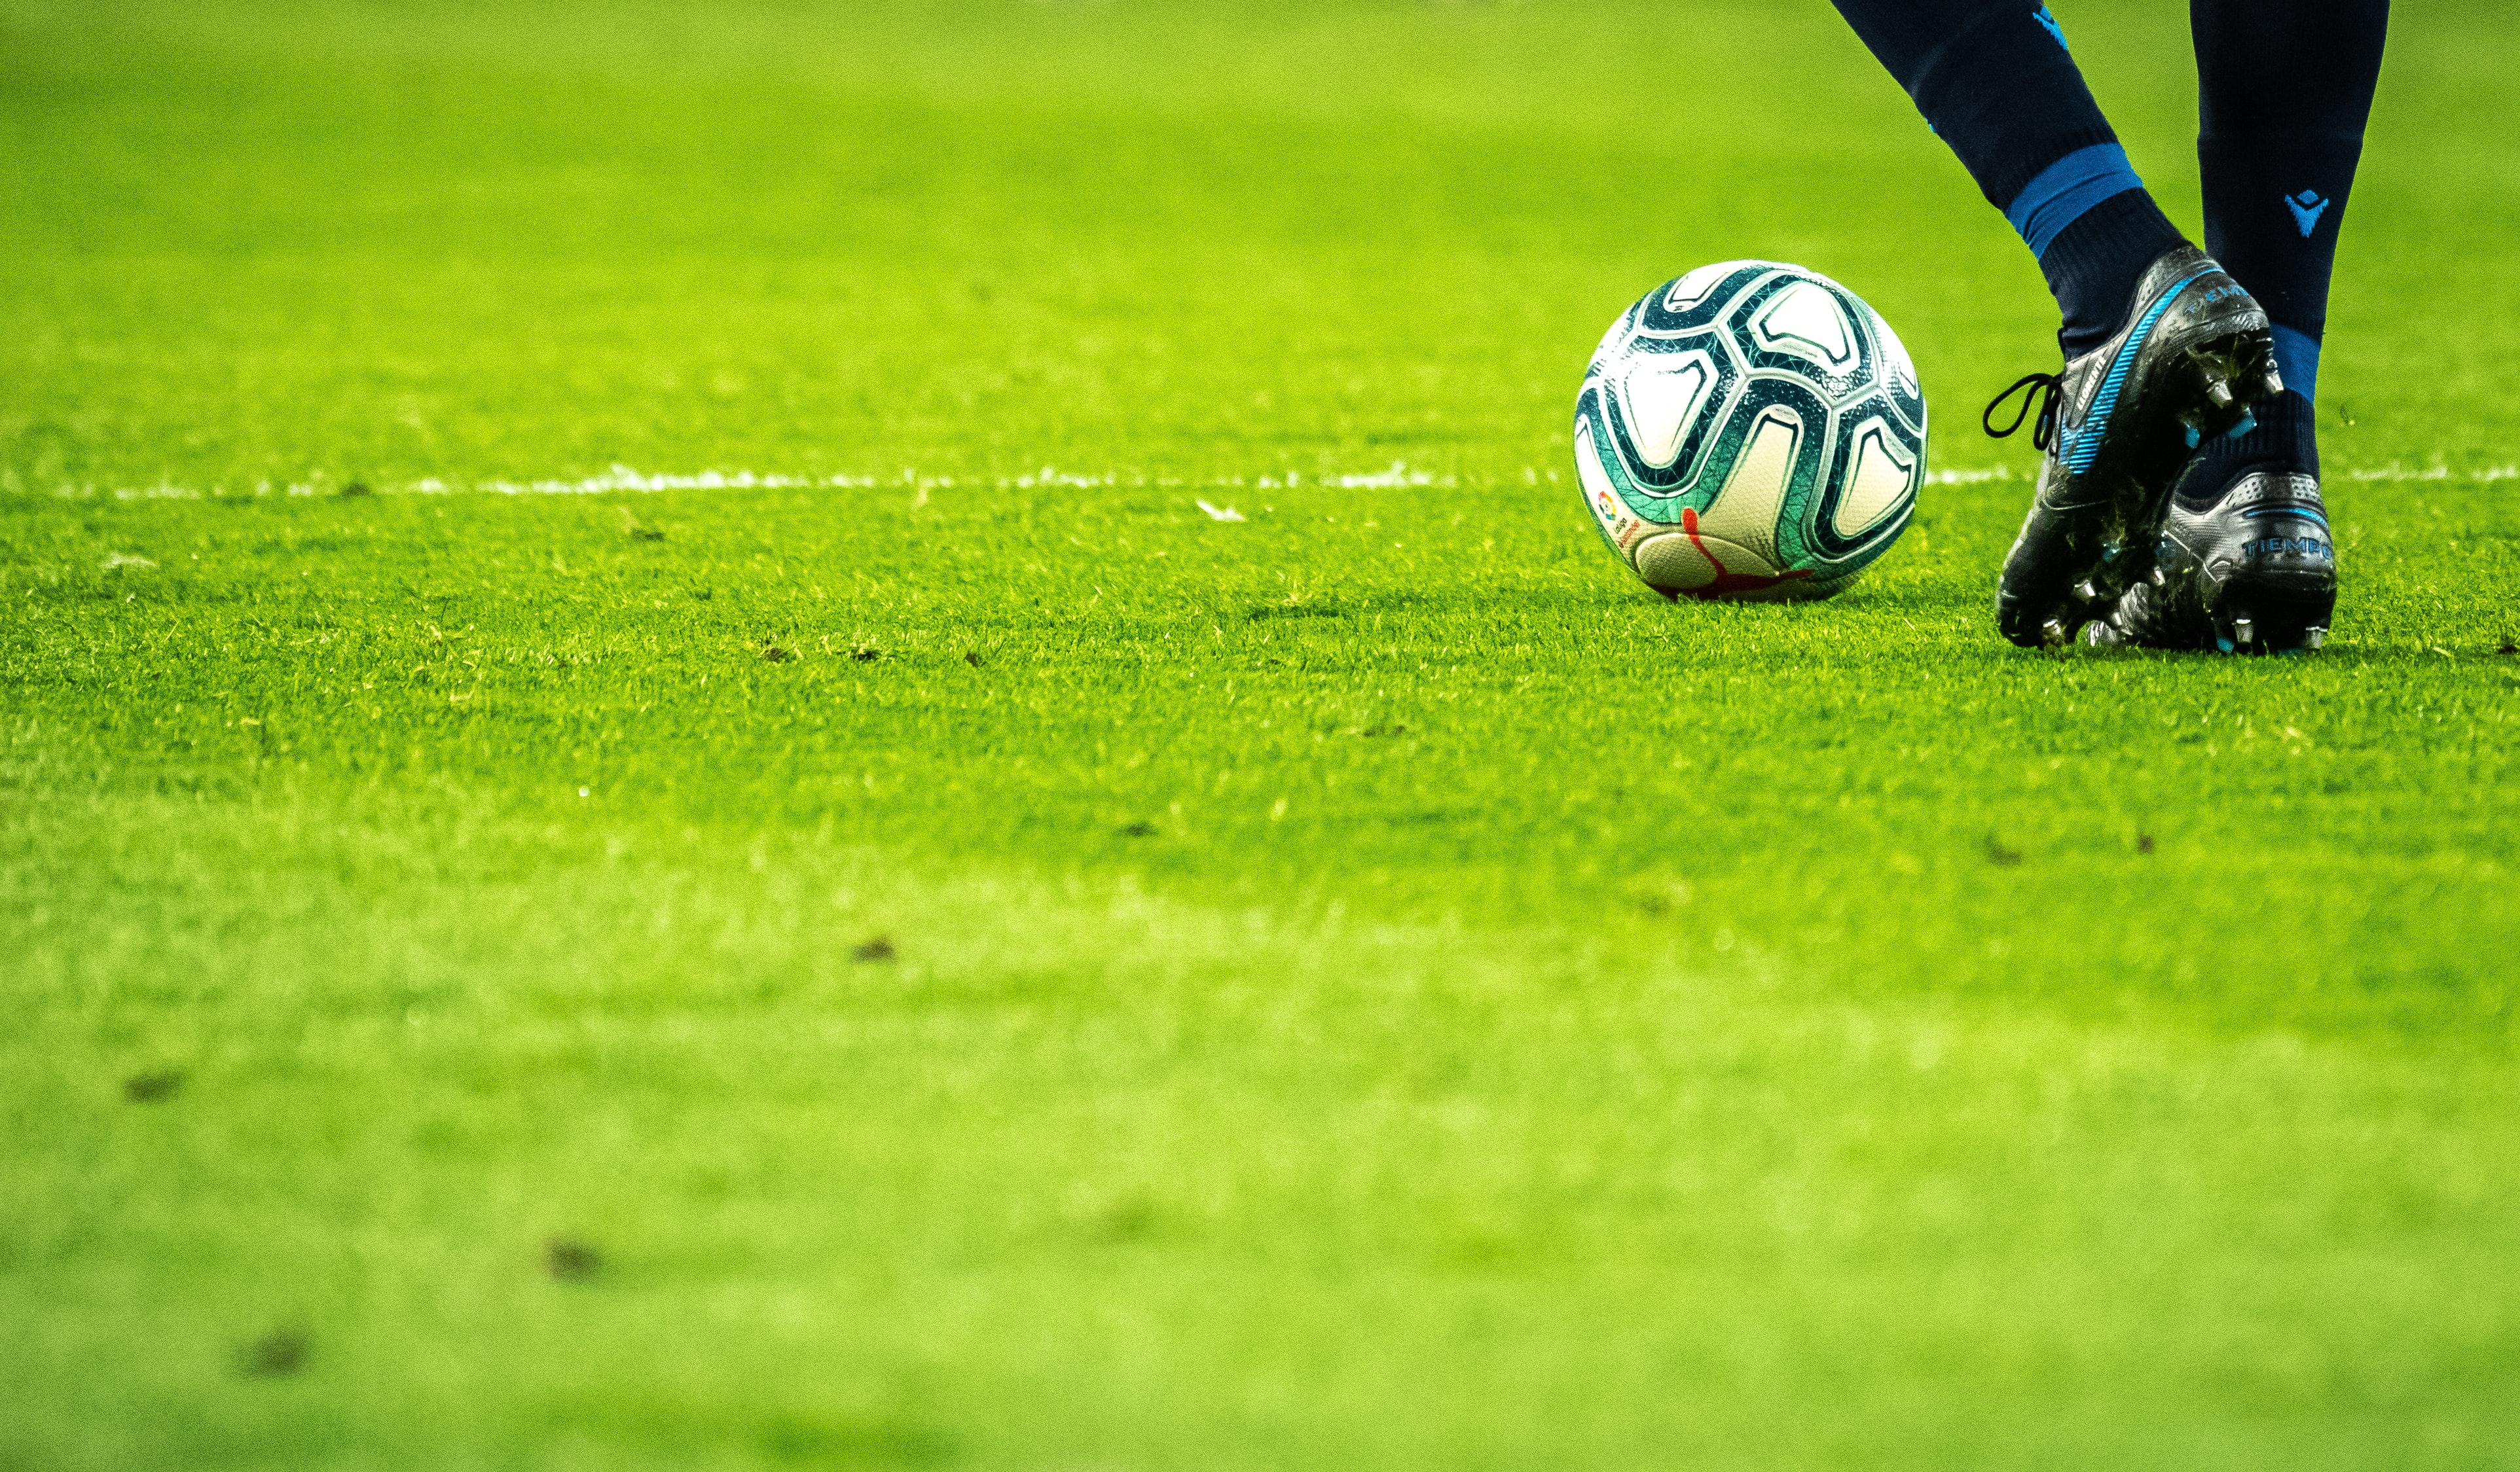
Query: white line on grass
{"points": [[2394, 471], [618, 478], [626, 480]]}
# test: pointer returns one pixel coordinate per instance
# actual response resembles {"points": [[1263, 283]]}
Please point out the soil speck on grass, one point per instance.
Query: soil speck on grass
{"points": [[153, 1087], [1481, 1249], [2508, 648], [282, 1352], [1103, 1216], [1124, 1221], [846, 1442], [570, 1260], [972, 658], [2143, 843], [773, 654], [1996, 853], [1141, 829], [878, 949], [866, 654], [357, 488]]}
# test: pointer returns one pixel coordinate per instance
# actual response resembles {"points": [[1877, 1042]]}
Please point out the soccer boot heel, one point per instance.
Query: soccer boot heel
{"points": [[2194, 355], [2253, 571]]}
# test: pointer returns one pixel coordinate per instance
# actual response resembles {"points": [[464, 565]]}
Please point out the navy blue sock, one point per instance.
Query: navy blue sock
{"points": [[2094, 264], [1997, 85], [2283, 95]]}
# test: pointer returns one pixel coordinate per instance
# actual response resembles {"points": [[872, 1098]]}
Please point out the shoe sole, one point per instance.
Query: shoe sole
{"points": [[2273, 614]]}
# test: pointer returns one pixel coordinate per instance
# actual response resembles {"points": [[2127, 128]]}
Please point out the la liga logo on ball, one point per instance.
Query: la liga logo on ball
{"points": [[1751, 431]]}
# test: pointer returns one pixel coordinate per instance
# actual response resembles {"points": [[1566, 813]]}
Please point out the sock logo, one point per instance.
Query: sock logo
{"points": [[2307, 206], [2058, 31]]}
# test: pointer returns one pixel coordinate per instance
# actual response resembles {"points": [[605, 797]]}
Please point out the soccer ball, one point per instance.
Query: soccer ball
{"points": [[1752, 431]]}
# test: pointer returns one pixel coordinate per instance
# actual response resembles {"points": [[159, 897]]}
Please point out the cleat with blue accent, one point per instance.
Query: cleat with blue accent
{"points": [[2192, 357], [2246, 567]]}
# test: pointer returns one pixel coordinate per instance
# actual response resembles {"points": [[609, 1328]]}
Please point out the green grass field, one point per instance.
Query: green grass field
{"points": [[641, 825]]}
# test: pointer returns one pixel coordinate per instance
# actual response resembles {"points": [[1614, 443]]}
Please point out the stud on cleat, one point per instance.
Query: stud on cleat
{"points": [[2312, 637], [2156, 577], [2087, 590], [2219, 393], [2244, 631], [2053, 633]]}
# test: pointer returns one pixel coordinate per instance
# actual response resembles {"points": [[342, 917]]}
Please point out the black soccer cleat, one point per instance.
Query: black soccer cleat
{"points": [[2244, 562], [2194, 355]]}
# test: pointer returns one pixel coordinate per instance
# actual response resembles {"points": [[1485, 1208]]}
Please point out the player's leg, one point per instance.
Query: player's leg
{"points": [[2159, 342], [2283, 95], [2246, 560], [1995, 81]]}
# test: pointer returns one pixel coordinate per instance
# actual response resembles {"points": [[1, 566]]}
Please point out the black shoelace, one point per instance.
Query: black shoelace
{"points": [[2044, 391]]}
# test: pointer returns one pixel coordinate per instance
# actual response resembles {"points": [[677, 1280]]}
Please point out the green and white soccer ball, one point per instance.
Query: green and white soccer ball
{"points": [[1752, 431]]}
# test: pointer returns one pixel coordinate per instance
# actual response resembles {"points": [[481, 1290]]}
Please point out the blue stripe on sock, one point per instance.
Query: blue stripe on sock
{"points": [[2064, 189], [2297, 359]]}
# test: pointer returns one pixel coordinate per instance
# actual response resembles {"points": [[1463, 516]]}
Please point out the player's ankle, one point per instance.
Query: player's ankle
{"points": [[2093, 264]]}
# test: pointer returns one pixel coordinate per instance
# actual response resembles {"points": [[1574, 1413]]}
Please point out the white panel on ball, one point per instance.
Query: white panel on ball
{"points": [[1805, 318], [1879, 481], [1664, 392], [1902, 371], [1691, 290], [1745, 512]]}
